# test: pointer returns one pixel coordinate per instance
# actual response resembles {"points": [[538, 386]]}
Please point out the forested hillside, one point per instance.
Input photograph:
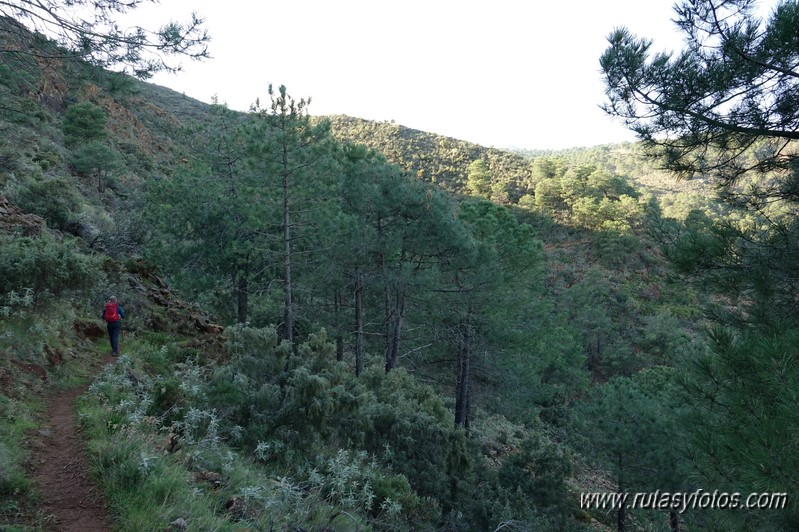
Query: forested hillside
{"points": [[337, 324]]}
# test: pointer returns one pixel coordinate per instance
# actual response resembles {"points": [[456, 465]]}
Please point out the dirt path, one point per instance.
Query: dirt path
{"points": [[70, 500]]}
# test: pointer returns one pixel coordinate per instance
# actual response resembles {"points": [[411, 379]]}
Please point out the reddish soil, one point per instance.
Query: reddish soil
{"points": [[70, 500]]}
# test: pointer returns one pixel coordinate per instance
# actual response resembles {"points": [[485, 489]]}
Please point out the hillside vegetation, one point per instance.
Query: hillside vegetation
{"points": [[339, 324]]}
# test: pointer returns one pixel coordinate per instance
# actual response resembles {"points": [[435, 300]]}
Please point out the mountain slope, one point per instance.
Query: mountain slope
{"points": [[252, 429]]}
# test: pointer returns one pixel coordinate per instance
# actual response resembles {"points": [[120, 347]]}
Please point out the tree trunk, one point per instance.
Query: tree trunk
{"points": [[463, 384], [674, 521], [387, 329], [467, 422], [242, 293], [387, 319], [358, 323], [339, 336], [621, 514], [288, 306], [595, 348], [397, 315]]}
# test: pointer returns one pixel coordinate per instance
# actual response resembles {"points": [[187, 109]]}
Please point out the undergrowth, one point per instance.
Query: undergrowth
{"points": [[270, 439], [17, 496], [177, 467]]}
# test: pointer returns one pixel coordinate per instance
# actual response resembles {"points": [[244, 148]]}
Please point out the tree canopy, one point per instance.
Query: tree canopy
{"points": [[88, 30], [734, 87], [725, 108]]}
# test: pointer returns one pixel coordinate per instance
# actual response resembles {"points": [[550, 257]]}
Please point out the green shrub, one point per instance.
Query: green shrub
{"points": [[9, 161], [168, 399], [55, 200], [125, 234], [49, 156], [44, 264], [12, 478], [378, 447], [538, 470], [407, 424], [311, 399], [20, 78], [120, 86], [355, 481], [84, 122], [16, 422]]}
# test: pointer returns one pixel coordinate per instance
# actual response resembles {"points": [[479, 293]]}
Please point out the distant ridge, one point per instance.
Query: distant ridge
{"points": [[435, 158]]}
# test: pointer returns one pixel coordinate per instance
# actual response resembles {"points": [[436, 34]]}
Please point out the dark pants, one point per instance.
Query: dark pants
{"points": [[114, 330]]}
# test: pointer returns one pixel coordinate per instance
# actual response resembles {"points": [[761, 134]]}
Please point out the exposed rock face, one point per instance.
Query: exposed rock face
{"points": [[12, 219], [179, 314], [55, 356], [202, 323], [35, 369], [88, 329]]}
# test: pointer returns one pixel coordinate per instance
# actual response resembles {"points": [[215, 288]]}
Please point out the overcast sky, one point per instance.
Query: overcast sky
{"points": [[502, 73]]}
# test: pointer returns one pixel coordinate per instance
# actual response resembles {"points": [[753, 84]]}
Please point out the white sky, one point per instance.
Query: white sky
{"points": [[502, 73]]}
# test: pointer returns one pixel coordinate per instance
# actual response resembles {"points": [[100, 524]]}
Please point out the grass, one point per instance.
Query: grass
{"points": [[17, 493], [146, 491]]}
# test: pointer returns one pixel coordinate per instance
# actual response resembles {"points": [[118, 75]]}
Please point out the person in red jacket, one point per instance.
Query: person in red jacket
{"points": [[113, 314]]}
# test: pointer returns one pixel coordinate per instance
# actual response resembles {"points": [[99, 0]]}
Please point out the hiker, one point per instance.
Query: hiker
{"points": [[113, 314]]}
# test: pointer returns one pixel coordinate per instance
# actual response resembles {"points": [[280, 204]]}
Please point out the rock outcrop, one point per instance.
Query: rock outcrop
{"points": [[13, 219]]}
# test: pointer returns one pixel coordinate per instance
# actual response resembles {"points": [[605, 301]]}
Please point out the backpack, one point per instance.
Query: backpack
{"points": [[110, 314]]}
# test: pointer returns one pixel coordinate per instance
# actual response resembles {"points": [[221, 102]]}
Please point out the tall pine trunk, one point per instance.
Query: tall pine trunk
{"points": [[288, 305], [621, 515], [358, 323], [395, 317], [337, 317], [387, 329], [394, 330], [463, 383], [242, 292], [387, 320], [674, 521]]}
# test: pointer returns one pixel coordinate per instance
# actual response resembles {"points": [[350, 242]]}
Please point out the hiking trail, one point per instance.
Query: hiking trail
{"points": [[70, 499]]}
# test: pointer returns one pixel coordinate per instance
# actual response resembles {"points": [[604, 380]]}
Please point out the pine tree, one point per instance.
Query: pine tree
{"points": [[725, 108], [294, 160], [478, 179], [210, 216], [495, 260], [630, 428], [90, 31], [744, 400]]}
